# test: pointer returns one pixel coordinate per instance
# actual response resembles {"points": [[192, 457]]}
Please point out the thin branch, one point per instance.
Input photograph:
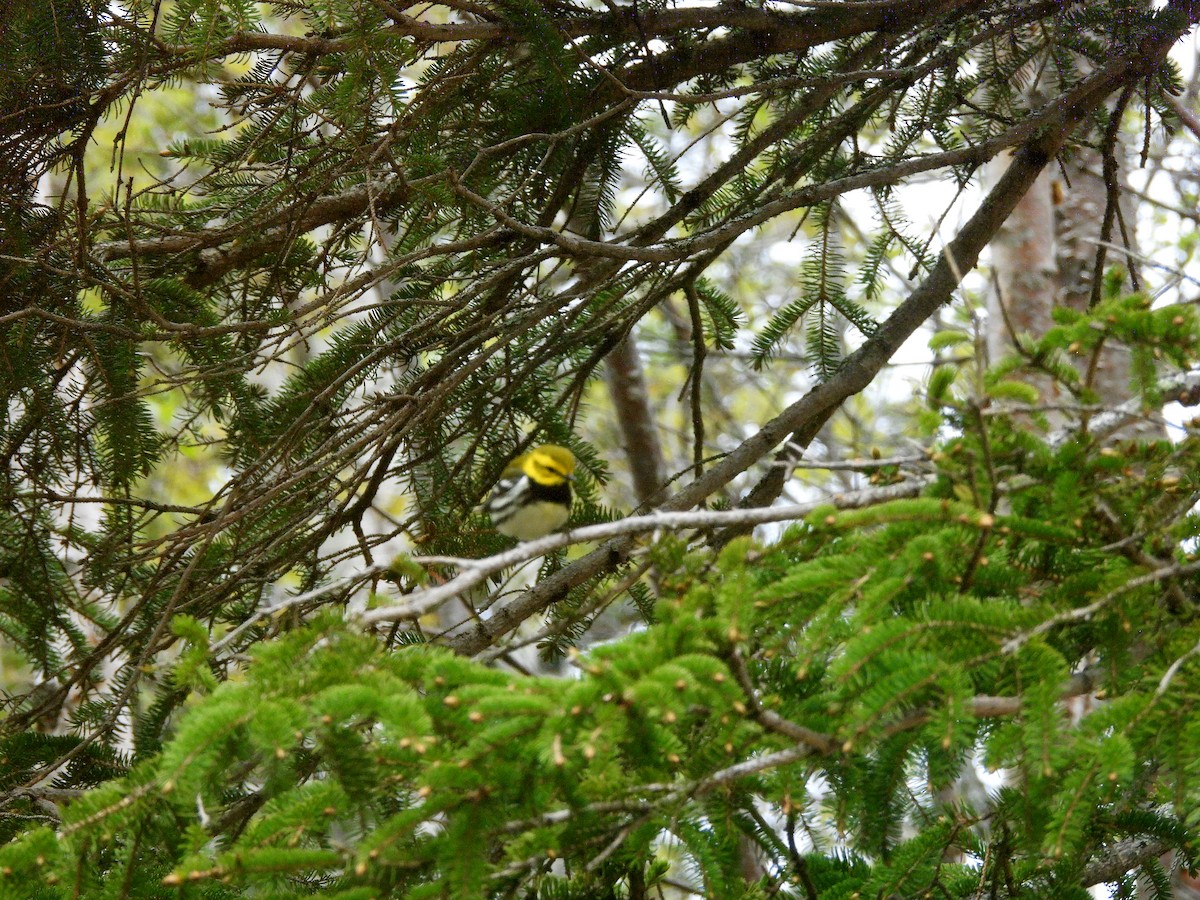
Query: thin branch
{"points": [[1083, 613], [1168, 676], [772, 721], [297, 600], [1183, 388], [476, 571]]}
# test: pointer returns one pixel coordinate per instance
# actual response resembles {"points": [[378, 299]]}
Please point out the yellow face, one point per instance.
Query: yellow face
{"points": [[549, 464]]}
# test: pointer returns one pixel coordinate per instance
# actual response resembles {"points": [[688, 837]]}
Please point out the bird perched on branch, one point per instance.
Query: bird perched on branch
{"points": [[533, 496]]}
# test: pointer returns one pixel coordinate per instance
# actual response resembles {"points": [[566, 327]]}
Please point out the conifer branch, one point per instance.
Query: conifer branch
{"points": [[474, 572], [1083, 613], [1121, 858], [389, 251], [1182, 388], [858, 370], [772, 721]]}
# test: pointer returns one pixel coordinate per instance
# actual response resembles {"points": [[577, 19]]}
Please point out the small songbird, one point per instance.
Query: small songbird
{"points": [[533, 496]]}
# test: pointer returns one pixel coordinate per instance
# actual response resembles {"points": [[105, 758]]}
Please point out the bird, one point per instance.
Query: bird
{"points": [[533, 496]]}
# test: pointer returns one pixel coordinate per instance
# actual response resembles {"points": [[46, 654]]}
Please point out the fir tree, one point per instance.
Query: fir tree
{"points": [[263, 358]]}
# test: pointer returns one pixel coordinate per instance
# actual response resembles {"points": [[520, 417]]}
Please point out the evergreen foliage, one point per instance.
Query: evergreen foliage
{"points": [[389, 247], [811, 693]]}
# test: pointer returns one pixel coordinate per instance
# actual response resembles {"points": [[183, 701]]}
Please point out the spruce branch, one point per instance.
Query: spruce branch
{"points": [[474, 572], [1083, 613], [772, 721], [858, 370], [1122, 858]]}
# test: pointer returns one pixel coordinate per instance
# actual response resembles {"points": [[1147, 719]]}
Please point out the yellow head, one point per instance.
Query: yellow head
{"points": [[548, 465]]}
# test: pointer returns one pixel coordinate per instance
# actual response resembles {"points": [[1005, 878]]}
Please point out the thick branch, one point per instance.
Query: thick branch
{"points": [[1121, 858], [634, 414]]}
